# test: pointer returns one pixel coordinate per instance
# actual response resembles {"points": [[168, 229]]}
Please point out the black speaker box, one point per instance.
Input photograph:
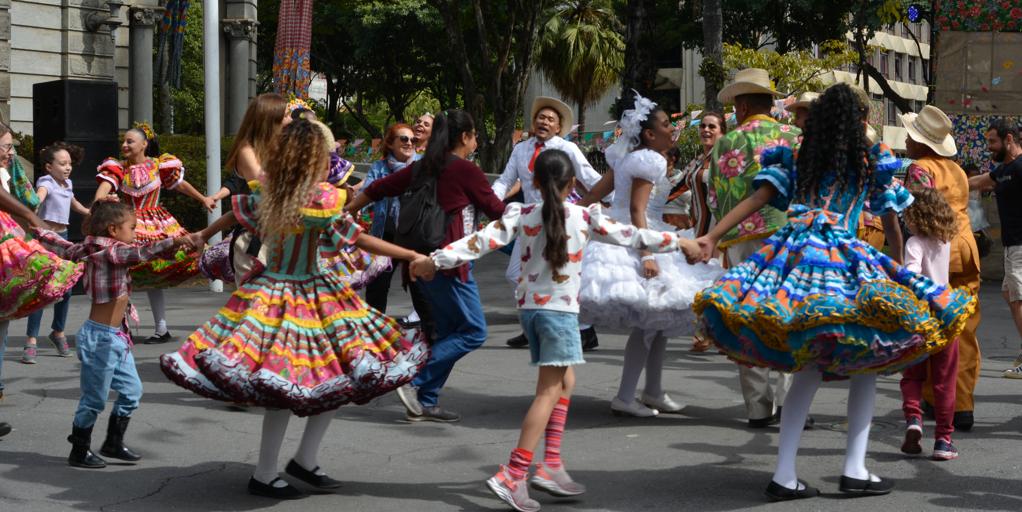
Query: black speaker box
{"points": [[80, 112]]}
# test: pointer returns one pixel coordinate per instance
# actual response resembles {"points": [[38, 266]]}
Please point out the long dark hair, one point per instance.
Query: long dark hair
{"points": [[48, 154], [834, 142], [553, 172], [447, 129]]}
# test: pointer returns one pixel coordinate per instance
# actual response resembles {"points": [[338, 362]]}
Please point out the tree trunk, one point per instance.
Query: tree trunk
{"points": [[163, 99], [640, 66], [713, 52], [331, 99], [581, 120], [362, 120]]}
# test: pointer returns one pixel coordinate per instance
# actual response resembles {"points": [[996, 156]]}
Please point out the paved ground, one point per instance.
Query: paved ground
{"points": [[199, 453]]}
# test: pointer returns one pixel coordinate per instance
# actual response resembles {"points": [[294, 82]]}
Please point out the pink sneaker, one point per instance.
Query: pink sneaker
{"points": [[513, 492], [555, 481]]}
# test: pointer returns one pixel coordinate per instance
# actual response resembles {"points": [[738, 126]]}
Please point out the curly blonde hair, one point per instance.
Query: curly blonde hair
{"points": [[298, 160], [930, 215]]}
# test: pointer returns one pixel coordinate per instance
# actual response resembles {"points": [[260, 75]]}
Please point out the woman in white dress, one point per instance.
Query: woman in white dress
{"points": [[623, 288]]}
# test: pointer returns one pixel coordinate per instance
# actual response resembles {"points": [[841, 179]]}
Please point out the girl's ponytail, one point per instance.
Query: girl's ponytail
{"points": [[553, 172]]}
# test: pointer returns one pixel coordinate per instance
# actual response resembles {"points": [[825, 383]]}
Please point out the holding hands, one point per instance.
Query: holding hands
{"points": [[706, 244], [422, 267]]}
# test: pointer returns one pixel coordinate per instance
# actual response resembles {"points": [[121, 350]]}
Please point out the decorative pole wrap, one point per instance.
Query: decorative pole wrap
{"points": [[291, 61]]}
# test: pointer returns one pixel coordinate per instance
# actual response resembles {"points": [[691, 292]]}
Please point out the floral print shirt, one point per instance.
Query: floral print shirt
{"points": [[734, 163]]}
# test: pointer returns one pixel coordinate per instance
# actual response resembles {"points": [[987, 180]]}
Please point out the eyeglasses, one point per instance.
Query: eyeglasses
{"points": [[4, 148], [405, 139]]}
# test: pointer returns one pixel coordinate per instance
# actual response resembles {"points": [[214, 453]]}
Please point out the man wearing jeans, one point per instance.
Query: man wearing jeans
{"points": [[1006, 180]]}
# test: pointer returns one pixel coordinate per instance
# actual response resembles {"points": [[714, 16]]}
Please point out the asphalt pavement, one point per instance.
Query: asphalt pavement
{"points": [[199, 454]]}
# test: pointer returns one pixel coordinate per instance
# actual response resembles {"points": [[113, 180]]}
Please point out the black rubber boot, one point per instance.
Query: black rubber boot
{"points": [[114, 447], [81, 456]]}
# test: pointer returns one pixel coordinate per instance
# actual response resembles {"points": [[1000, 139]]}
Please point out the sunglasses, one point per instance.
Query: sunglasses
{"points": [[405, 139]]}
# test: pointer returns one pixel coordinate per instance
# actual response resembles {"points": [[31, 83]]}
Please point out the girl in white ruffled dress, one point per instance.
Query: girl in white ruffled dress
{"points": [[623, 288]]}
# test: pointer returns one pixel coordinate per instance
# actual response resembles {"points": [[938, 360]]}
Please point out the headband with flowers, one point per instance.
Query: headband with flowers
{"points": [[631, 128], [146, 130], [297, 104]]}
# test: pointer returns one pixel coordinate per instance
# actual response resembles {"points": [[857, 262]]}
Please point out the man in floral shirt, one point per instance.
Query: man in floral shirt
{"points": [[734, 162]]}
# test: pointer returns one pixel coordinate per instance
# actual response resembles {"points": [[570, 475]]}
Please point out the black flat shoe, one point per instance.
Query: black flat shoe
{"points": [[310, 477], [288, 492], [867, 487], [158, 339], [519, 341], [5, 428], [963, 421], [777, 492]]}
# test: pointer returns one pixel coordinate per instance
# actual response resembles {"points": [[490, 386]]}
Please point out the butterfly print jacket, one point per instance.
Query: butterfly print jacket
{"points": [[541, 286]]}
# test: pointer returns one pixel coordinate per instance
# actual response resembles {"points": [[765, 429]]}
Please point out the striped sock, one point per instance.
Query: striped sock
{"points": [[554, 432], [518, 465]]}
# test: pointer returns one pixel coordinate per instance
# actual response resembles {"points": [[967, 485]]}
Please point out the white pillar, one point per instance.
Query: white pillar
{"points": [[142, 21], [211, 85], [239, 32]]}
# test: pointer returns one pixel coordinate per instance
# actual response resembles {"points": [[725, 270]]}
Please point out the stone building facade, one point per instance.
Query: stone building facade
{"points": [[45, 40]]}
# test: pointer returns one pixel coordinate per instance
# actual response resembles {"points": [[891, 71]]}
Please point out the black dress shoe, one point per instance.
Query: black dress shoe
{"points": [[765, 422], [867, 487], [963, 421], [5, 428], [589, 339], [157, 339], [810, 423], [310, 477], [519, 341], [777, 492], [288, 492]]}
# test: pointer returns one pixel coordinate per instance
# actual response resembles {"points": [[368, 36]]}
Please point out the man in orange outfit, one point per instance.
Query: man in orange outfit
{"points": [[931, 145]]}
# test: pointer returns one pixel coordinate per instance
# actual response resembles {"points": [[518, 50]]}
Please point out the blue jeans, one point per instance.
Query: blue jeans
{"points": [[107, 364], [3, 348], [460, 329], [59, 313]]}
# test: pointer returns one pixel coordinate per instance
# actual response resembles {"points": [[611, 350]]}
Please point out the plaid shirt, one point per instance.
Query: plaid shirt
{"points": [[107, 261]]}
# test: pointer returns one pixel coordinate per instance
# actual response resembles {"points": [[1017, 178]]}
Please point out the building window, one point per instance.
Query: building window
{"points": [[884, 64], [897, 67], [912, 69], [892, 113]]}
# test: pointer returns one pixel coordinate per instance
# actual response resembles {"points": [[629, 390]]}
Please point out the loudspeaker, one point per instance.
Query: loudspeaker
{"points": [[80, 112]]}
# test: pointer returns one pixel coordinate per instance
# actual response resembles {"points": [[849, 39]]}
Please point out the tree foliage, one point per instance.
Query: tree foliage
{"points": [[795, 71], [784, 25], [582, 52]]}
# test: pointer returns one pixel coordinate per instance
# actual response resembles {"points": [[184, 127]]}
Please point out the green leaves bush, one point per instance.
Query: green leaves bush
{"points": [[191, 149]]}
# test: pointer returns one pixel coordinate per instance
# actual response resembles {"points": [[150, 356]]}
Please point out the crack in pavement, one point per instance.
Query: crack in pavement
{"points": [[163, 485]]}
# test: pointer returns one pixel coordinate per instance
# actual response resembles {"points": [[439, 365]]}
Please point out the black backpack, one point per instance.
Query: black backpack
{"points": [[422, 223]]}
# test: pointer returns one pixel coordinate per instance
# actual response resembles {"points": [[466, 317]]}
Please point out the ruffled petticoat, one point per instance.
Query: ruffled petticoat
{"points": [[615, 295], [309, 345], [154, 224], [816, 296], [31, 277]]}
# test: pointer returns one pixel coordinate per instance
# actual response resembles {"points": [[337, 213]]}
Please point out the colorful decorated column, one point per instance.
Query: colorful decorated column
{"points": [[292, 71]]}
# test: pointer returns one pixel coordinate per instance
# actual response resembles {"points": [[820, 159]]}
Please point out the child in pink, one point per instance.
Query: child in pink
{"points": [[928, 252]]}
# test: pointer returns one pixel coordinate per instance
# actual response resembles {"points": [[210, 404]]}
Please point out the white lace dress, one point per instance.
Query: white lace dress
{"points": [[614, 294]]}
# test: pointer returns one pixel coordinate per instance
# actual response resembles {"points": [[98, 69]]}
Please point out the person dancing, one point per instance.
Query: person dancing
{"points": [[817, 301], [139, 178], [622, 288], [297, 339]]}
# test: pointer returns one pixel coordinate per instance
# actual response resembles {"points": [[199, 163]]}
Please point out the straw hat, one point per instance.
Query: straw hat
{"points": [[803, 101], [748, 81], [932, 128], [872, 135], [563, 110]]}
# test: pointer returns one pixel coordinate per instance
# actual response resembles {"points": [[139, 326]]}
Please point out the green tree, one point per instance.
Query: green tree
{"points": [[784, 25], [795, 71], [868, 17], [640, 58], [712, 67], [582, 52]]}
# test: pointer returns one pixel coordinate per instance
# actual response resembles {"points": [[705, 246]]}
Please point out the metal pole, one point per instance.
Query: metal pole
{"points": [[211, 86]]}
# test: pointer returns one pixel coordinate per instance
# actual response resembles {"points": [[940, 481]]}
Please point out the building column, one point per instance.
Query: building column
{"points": [[240, 33], [5, 61], [142, 22]]}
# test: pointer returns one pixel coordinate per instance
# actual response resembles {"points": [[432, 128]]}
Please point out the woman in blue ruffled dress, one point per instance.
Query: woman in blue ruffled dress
{"points": [[816, 300]]}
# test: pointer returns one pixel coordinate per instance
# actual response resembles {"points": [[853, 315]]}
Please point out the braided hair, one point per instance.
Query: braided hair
{"points": [[834, 142]]}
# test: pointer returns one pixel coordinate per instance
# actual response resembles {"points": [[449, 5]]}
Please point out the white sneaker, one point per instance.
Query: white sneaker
{"points": [[663, 404], [1018, 360], [1013, 373], [634, 408], [410, 399]]}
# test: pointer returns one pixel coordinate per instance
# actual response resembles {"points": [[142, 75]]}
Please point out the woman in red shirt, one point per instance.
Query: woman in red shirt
{"points": [[461, 190]]}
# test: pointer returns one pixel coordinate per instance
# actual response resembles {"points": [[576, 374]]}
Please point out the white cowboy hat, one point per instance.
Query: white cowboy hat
{"points": [[932, 128], [872, 135], [562, 109], [803, 101], [748, 81]]}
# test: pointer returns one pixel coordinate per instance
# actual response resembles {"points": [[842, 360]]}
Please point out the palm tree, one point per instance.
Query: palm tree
{"points": [[582, 52]]}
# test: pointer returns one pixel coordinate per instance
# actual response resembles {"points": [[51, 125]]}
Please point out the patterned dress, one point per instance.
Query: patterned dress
{"points": [[817, 296], [140, 186], [31, 277], [296, 337]]}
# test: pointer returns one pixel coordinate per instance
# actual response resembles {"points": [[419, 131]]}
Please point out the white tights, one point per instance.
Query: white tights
{"points": [[274, 427], [861, 396], [645, 349], [159, 307]]}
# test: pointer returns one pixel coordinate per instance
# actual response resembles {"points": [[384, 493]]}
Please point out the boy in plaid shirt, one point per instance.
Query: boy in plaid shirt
{"points": [[103, 342]]}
